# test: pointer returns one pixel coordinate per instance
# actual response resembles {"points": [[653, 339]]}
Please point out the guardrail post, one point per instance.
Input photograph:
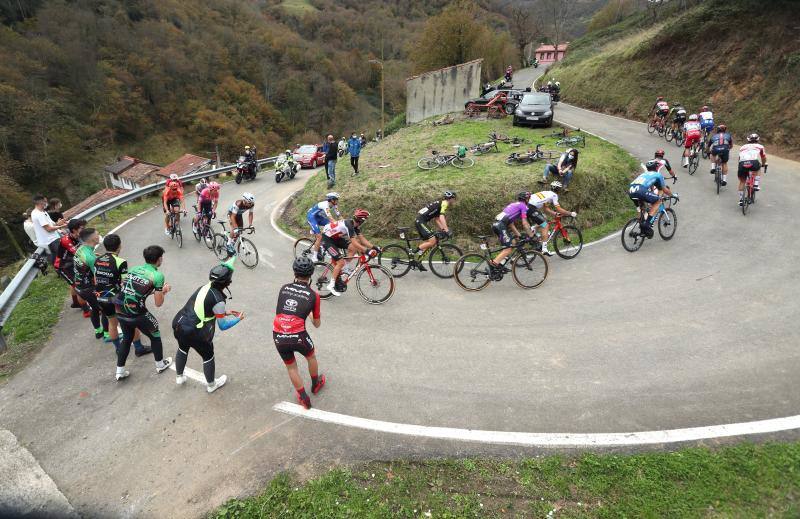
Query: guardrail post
{"points": [[3, 344]]}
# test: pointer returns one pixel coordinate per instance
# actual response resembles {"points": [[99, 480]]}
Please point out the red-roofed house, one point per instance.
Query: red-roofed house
{"points": [[100, 196], [185, 165], [547, 54], [131, 173]]}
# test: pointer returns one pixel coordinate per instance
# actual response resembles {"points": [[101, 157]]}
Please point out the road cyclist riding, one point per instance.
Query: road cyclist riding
{"points": [[678, 115], [658, 116], [707, 125], [207, 201], [173, 204], [234, 243], [318, 216], [752, 158], [647, 194], [692, 144], [719, 149], [567, 239]]}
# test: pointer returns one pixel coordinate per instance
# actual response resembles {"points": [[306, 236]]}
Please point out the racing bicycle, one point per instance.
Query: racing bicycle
{"points": [[175, 232], [572, 141], [657, 124], [474, 270], [633, 235], [694, 157], [567, 240], [374, 282], [676, 134], [750, 190], [201, 228], [514, 141], [304, 247], [437, 159], [486, 147], [399, 258], [244, 249], [718, 174], [529, 157]]}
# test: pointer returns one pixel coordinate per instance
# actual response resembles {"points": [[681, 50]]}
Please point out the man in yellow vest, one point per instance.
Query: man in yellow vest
{"points": [[195, 323]]}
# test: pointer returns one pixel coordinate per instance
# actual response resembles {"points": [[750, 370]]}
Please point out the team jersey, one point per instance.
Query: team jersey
{"points": [[649, 179], [295, 302], [201, 311], [108, 271], [752, 151], [208, 195], [141, 281], [512, 212], [173, 190], [199, 187], [679, 111], [721, 139], [326, 209], [706, 117], [664, 165], [67, 246], [691, 126], [344, 229], [538, 200], [83, 262], [662, 106], [432, 210], [237, 209]]}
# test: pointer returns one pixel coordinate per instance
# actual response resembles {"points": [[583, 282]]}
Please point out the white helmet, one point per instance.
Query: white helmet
{"points": [[556, 185], [333, 195], [173, 177], [249, 197], [288, 152], [558, 83], [693, 117]]}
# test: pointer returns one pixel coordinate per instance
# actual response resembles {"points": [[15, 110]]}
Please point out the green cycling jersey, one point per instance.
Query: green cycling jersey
{"points": [[141, 281], [83, 265]]}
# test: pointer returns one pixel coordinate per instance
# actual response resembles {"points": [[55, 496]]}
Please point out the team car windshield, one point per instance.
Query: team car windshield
{"points": [[536, 99], [308, 148]]}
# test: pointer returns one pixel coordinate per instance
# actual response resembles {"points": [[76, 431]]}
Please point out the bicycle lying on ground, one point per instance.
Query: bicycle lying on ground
{"points": [[374, 282], [399, 258], [436, 159], [633, 235], [202, 229], [486, 147], [243, 248], [519, 159], [749, 197], [473, 270], [514, 141]]}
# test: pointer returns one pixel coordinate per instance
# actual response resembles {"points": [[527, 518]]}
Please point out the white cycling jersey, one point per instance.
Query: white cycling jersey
{"points": [[342, 229], [689, 126], [538, 200], [752, 151], [662, 105], [706, 116]]}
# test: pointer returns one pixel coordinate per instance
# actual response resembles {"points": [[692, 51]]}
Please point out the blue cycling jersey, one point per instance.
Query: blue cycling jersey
{"points": [[649, 179], [322, 208]]}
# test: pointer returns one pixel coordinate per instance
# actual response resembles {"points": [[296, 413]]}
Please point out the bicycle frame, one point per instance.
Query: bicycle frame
{"points": [[363, 264]]}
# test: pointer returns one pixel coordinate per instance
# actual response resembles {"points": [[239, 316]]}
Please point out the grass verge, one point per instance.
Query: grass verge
{"points": [[740, 481], [393, 188]]}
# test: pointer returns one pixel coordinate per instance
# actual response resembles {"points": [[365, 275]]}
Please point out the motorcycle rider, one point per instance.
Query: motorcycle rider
{"points": [[286, 163], [250, 159]]}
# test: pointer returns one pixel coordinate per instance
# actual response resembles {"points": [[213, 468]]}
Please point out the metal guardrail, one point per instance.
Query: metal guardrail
{"points": [[23, 279]]}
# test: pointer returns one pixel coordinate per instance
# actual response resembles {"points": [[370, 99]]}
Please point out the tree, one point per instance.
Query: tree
{"points": [[448, 38], [558, 13], [524, 28]]}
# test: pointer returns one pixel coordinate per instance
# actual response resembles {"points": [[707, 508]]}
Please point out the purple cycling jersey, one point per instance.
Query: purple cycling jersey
{"points": [[513, 212]]}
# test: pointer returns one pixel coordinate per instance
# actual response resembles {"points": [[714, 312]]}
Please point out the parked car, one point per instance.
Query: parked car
{"points": [[511, 95], [309, 155], [534, 108]]}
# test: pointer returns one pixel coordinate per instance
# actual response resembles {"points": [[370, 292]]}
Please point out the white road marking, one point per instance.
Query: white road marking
{"points": [[274, 214], [191, 373], [547, 439], [123, 224]]}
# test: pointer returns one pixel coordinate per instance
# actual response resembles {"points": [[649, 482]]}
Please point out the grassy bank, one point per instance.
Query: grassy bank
{"points": [[741, 481], [700, 56], [393, 188]]}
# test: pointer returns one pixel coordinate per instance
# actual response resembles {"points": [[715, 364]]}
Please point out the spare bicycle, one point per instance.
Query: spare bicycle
{"points": [[374, 282], [474, 270], [531, 156], [458, 160], [400, 258], [486, 147]]}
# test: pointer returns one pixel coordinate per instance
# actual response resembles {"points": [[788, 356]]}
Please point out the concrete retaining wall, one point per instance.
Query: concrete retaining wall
{"points": [[442, 91]]}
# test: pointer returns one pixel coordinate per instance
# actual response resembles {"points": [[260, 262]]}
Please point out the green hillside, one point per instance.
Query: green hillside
{"points": [[741, 57]]}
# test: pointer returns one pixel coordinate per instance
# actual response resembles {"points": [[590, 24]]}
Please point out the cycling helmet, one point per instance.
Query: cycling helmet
{"points": [[753, 137], [214, 186], [660, 98], [659, 154], [288, 153], [722, 127], [333, 195], [704, 108], [693, 117], [447, 195], [556, 185], [360, 215], [249, 197], [523, 196], [220, 276], [173, 177], [652, 165], [303, 267], [247, 147]]}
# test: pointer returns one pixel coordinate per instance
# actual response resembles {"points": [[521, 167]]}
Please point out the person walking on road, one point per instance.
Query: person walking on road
{"points": [[296, 300], [354, 148], [194, 325], [132, 313], [331, 155]]}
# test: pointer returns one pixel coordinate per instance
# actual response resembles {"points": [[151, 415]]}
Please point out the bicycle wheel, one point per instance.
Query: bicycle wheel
{"points": [[248, 254], [569, 242], [396, 258], [302, 247], [472, 272], [427, 163], [442, 260], [208, 237], [375, 284], [694, 162], [717, 178], [178, 235], [651, 128], [196, 232], [669, 135], [632, 235], [323, 273], [529, 269], [466, 162], [220, 246], [661, 130], [562, 143], [667, 224], [746, 200], [680, 138], [510, 161]]}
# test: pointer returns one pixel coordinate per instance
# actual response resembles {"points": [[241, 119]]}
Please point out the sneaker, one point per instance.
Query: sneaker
{"points": [[98, 335], [305, 402], [180, 379], [142, 352], [320, 382], [546, 251], [685, 165], [87, 314], [124, 374], [757, 188], [741, 202], [75, 305], [354, 173], [166, 232], [332, 288], [713, 170], [724, 183], [164, 364], [420, 267], [218, 383], [543, 181]]}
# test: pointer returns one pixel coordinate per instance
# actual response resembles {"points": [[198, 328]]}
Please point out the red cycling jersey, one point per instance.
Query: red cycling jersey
{"points": [[295, 302]]}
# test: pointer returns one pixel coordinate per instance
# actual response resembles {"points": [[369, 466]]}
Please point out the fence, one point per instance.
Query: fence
{"points": [[19, 285]]}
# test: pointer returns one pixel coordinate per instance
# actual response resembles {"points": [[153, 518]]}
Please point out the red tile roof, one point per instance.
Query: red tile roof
{"points": [[546, 48], [188, 163], [96, 198]]}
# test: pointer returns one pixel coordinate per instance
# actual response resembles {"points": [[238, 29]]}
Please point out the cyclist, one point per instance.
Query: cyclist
{"points": [[237, 209], [434, 211], [172, 199], [63, 263], [320, 215], [132, 313], [706, 121], [693, 135], [109, 269], [83, 263], [678, 113], [200, 186], [719, 147], [659, 157], [660, 109], [641, 193], [194, 325], [345, 235], [539, 201], [751, 157], [564, 168], [207, 201], [296, 301], [506, 220]]}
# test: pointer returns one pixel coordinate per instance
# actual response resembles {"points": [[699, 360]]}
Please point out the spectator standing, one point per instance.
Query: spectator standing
{"points": [[28, 226], [354, 148], [54, 209], [46, 229], [363, 140], [331, 155]]}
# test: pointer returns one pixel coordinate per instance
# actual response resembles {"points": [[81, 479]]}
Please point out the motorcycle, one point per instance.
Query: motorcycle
{"points": [[535, 63], [286, 169], [342, 148], [245, 170]]}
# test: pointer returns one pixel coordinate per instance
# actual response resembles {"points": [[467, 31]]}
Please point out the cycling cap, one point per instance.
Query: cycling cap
{"points": [[523, 196], [303, 267], [214, 186], [556, 185], [221, 275], [249, 197], [247, 147], [753, 137], [660, 153], [447, 195], [360, 215], [333, 195], [288, 152], [652, 165]]}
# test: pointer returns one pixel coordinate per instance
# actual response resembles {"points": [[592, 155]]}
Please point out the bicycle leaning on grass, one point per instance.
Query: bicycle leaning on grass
{"points": [[458, 159]]}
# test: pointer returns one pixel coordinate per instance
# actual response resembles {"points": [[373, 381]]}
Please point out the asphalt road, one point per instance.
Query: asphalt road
{"points": [[693, 332]]}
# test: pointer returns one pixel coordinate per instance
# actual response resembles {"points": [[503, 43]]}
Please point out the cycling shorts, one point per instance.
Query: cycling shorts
{"points": [[289, 343], [746, 166], [67, 272], [206, 207], [501, 230], [680, 119], [317, 221], [692, 137], [108, 309], [424, 231], [172, 203], [707, 125], [239, 220], [662, 113], [90, 297], [642, 194], [536, 218], [335, 246], [146, 323], [722, 153]]}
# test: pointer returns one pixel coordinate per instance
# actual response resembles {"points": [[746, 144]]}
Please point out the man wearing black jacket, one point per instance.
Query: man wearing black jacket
{"points": [[331, 154]]}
